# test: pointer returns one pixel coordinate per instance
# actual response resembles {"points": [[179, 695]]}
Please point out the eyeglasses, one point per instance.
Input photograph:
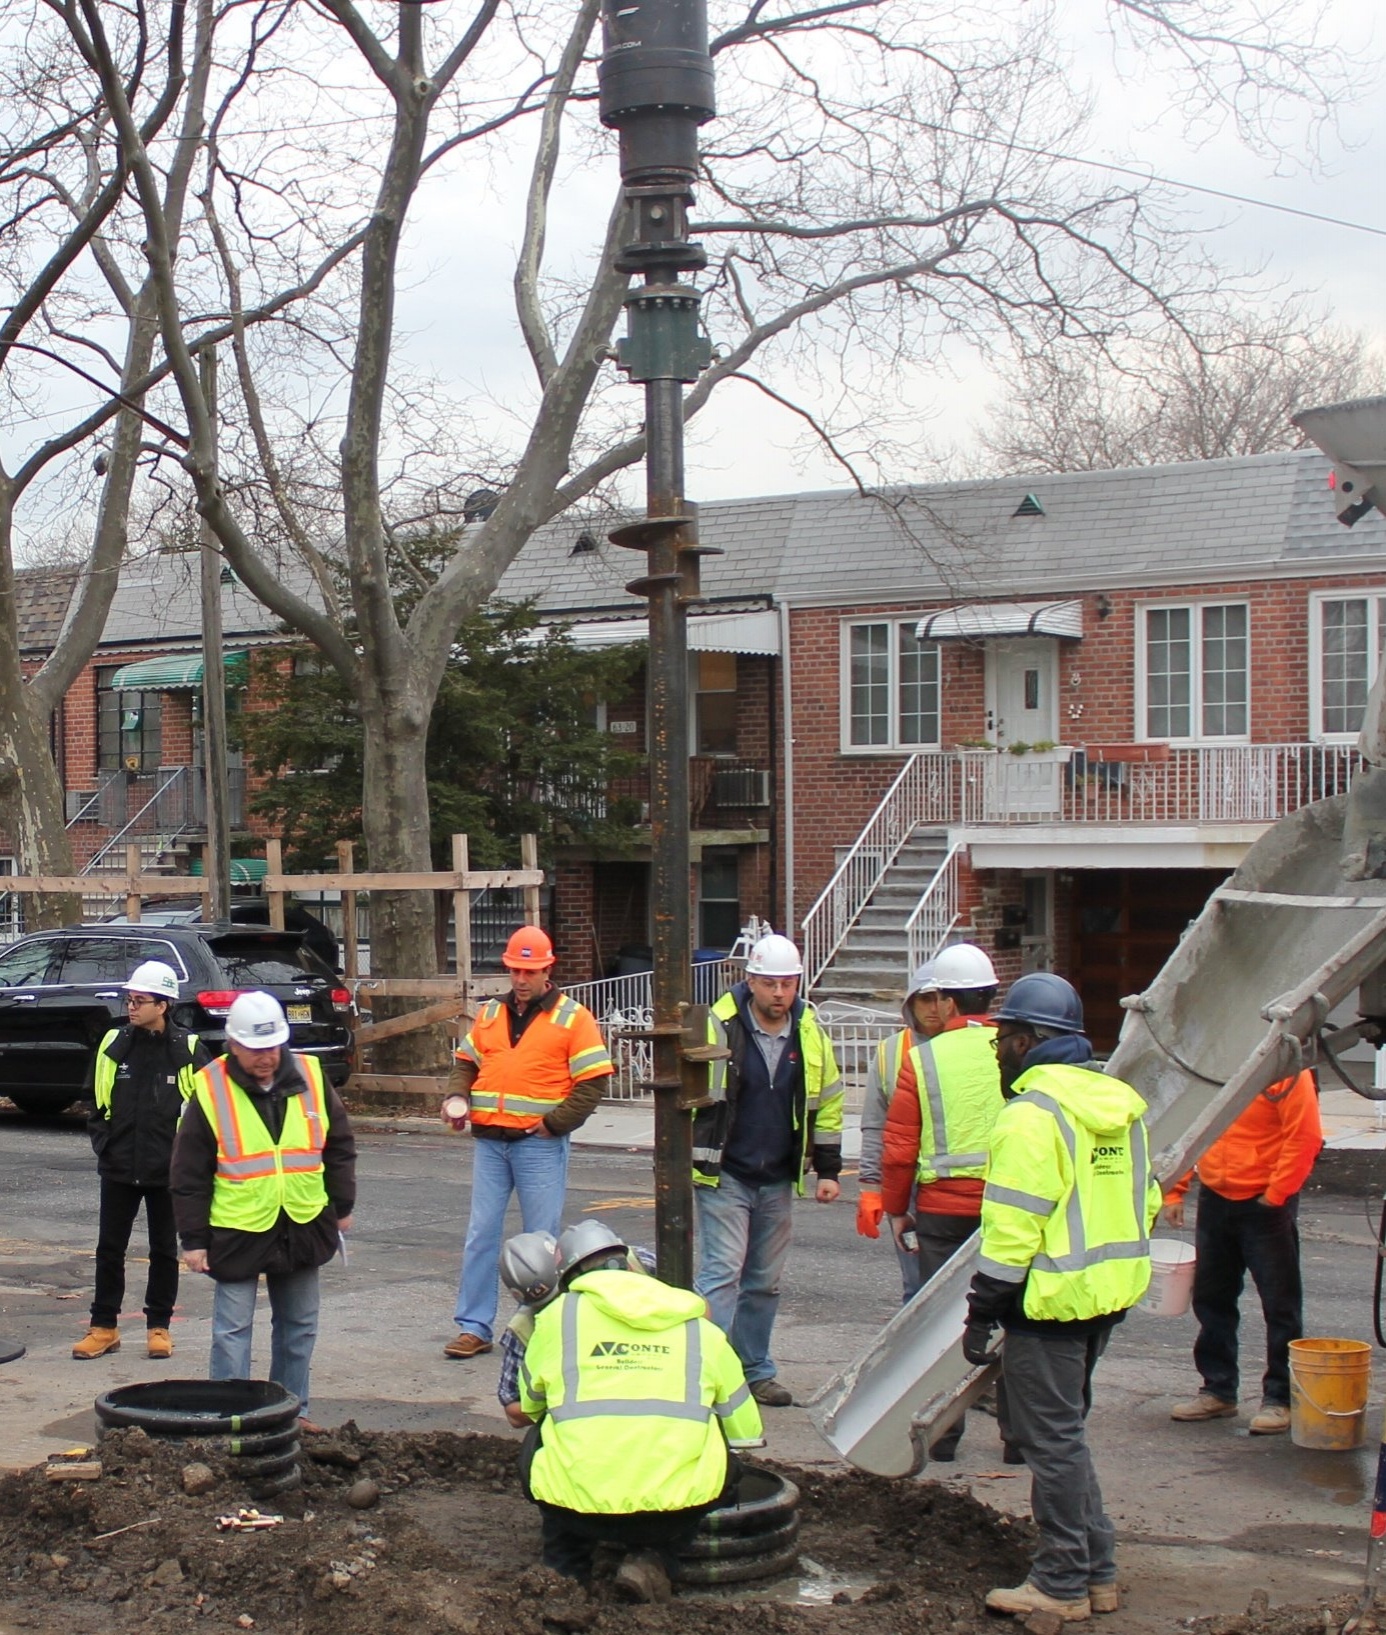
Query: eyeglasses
{"points": [[998, 1038], [133, 1001]]}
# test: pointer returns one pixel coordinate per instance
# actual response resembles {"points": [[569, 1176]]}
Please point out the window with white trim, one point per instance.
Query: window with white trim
{"points": [[1196, 671], [1346, 636], [891, 686]]}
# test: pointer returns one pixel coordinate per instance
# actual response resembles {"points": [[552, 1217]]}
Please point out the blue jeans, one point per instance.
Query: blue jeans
{"points": [[743, 1239], [536, 1169], [1235, 1236], [293, 1298]]}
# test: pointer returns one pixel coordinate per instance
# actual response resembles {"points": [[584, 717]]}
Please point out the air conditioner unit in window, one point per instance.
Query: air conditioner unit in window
{"points": [[741, 786]]}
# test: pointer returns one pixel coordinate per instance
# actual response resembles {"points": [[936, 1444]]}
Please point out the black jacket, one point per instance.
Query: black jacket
{"points": [[133, 1138], [289, 1246]]}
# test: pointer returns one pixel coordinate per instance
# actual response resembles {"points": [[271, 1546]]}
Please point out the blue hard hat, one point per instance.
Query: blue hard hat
{"points": [[1045, 1000]]}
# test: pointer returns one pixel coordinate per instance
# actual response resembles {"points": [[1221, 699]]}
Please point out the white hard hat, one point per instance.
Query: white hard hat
{"points": [[154, 977], [961, 966], [774, 956], [256, 1020]]}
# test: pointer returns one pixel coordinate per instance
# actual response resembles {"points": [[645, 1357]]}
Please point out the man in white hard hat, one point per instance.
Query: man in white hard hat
{"points": [[938, 1129], [264, 1181], [142, 1075], [776, 1110], [887, 1060]]}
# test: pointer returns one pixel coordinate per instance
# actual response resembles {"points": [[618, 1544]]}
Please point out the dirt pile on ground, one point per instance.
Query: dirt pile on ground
{"points": [[452, 1546]]}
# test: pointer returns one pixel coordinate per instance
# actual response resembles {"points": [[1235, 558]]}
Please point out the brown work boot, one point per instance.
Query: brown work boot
{"points": [[1273, 1419], [1105, 1597], [1027, 1598], [96, 1343], [159, 1342], [642, 1577], [466, 1345], [1204, 1406], [769, 1393]]}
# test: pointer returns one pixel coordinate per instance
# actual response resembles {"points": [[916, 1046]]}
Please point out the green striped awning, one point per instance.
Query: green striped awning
{"points": [[174, 672], [245, 871]]}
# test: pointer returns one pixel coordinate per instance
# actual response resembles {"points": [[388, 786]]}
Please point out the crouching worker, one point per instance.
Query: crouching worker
{"points": [[636, 1395], [529, 1269]]}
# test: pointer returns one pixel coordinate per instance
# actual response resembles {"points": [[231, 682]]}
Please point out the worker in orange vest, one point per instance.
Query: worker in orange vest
{"points": [[1248, 1221], [534, 1067]]}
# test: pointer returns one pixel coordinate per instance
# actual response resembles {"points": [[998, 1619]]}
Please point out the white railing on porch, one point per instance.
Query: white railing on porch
{"points": [[936, 913], [925, 792]]}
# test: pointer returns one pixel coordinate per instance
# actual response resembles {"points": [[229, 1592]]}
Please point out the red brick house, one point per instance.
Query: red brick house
{"points": [[1053, 711]]}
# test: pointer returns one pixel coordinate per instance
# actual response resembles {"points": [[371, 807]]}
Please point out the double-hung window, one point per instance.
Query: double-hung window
{"points": [[1346, 634], [891, 683], [1195, 672]]}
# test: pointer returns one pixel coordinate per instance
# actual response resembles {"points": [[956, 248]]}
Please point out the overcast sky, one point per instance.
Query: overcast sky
{"points": [[744, 445]]}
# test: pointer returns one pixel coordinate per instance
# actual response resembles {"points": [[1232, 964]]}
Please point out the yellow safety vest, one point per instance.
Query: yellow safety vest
{"points": [[257, 1176], [103, 1087], [637, 1392], [822, 1116], [959, 1085], [1070, 1198]]}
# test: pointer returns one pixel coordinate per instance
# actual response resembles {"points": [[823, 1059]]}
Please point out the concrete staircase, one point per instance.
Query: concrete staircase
{"points": [[869, 967]]}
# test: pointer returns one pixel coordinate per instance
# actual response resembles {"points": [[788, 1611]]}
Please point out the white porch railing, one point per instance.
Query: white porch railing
{"points": [[925, 791], [936, 913]]}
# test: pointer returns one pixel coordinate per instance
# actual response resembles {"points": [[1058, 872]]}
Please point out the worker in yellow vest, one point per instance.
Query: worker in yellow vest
{"points": [[264, 1182], [637, 1396], [1066, 1217], [534, 1067]]}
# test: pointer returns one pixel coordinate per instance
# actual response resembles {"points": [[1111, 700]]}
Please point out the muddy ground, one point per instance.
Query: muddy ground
{"points": [[451, 1546]]}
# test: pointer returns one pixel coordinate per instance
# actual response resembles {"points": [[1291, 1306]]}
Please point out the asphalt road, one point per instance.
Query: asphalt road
{"points": [[1206, 1513]]}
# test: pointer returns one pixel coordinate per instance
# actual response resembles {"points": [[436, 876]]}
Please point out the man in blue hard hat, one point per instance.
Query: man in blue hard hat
{"points": [[1066, 1215]]}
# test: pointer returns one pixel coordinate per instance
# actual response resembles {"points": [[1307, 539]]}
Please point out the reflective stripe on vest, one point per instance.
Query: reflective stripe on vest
{"points": [[103, 1084], [890, 1059], [692, 1407], [531, 1077], [965, 1110], [256, 1176], [1080, 1254]]}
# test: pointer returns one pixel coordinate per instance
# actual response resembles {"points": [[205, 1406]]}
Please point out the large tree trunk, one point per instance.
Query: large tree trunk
{"points": [[394, 818]]}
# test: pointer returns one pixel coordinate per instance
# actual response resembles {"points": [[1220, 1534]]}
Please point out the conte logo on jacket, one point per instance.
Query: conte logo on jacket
{"points": [[628, 1348], [1111, 1160]]}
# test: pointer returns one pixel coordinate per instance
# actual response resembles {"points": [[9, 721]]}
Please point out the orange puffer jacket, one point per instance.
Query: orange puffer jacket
{"points": [[1269, 1150]]}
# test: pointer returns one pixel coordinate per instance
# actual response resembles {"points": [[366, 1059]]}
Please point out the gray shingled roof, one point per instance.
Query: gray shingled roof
{"points": [[159, 603], [41, 597], [1177, 524]]}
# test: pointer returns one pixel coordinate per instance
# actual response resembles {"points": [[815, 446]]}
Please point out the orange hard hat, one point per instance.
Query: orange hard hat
{"points": [[528, 950]]}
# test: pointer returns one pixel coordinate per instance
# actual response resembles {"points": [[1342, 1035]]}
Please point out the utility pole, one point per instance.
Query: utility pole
{"points": [[656, 89], [216, 857]]}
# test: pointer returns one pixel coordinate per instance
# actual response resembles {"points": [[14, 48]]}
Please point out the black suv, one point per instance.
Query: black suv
{"points": [[61, 990]]}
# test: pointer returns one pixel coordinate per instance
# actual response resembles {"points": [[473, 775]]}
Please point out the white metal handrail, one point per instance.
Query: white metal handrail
{"points": [[923, 792], [93, 863], [936, 913]]}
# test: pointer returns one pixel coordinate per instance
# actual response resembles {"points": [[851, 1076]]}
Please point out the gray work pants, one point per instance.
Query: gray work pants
{"points": [[1048, 1380]]}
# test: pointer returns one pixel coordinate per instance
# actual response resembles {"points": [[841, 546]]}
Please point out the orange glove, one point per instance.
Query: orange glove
{"points": [[870, 1211]]}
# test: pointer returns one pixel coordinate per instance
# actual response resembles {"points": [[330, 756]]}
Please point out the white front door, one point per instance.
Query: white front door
{"points": [[1022, 692]]}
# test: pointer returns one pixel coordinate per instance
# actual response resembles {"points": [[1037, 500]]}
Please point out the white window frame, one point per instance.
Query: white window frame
{"points": [[1196, 606], [1374, 596], [893, 746]]}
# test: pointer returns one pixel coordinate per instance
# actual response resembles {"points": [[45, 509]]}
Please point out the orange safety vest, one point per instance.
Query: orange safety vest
{"points": [[517, 1084]]}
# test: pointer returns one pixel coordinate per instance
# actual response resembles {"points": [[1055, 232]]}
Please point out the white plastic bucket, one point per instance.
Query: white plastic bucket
{"points": [[1171, 1278]]}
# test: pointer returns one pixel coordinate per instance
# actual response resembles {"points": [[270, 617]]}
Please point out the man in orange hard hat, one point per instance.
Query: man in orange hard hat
{"points": [[534, 1067]]}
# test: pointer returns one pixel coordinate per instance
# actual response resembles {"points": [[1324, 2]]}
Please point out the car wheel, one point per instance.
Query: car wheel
{"points": [[34, 1105]]}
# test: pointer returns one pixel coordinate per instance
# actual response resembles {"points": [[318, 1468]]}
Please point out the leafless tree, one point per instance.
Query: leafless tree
{"points": [[1183, 398], [877, 182]]}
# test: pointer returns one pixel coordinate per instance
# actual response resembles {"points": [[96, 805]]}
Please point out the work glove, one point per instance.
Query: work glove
{"points": [[976, 1344], [870, 1212]]}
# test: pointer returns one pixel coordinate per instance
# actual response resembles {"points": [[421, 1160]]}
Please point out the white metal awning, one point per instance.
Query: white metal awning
{"points": [[978, 621], [755, 632]]}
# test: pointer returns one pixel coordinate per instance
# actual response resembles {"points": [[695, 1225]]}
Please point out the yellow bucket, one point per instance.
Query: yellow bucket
{"points": [[1329, 1380]]}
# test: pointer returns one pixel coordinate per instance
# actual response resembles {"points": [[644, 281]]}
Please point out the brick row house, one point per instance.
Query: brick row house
{"points": [[1046, 713], [127, 738]]}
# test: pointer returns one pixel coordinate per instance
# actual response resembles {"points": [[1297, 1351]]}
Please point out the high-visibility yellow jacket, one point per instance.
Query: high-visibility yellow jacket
{"points": [[959, 1085], [640, 1394], [1070, 1198], [817, 1106], [257, 1176], [517, 1084]]}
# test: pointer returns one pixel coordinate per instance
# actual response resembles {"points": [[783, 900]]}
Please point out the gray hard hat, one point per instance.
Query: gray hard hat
{"points": [[529, 1266], [583, 1241]]}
